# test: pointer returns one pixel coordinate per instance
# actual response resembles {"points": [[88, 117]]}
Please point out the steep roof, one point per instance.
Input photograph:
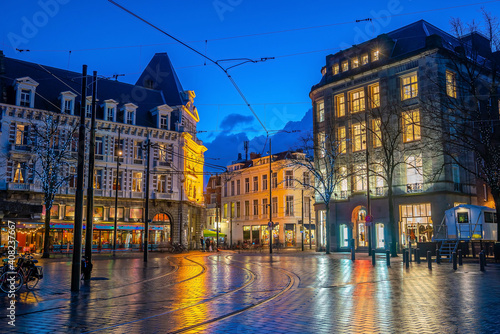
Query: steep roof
{"points": [[52, 81]]}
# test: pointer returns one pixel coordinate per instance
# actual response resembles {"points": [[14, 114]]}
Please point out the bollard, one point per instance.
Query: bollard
{"points": [[353, 254], [460, 262], [417, 255], [438, 256], [481, 261], [388, 258], [373, 257], [429, 260], [407, 255], [454, 259]]}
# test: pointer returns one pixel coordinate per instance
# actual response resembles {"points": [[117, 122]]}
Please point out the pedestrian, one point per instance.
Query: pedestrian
{"points": [[202, 243], [209, 245]]}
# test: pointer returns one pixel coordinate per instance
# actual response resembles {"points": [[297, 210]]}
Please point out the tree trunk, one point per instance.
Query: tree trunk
{"points": [[46, 244], [392, 223], [327, 222]]}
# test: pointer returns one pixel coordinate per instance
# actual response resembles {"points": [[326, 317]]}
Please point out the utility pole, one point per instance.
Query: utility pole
{"points": [[303, 230], [146, 208], [368, 204], [89, 229], [78, 224], [217, 211], [270, 200], [117, 186]]}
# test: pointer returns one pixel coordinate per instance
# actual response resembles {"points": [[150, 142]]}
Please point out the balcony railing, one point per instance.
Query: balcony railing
{"points": [[25, 148], [136, 194], [414, 188], [138, 161], [99, 157], [98, 192], [162, 164], [19, 186], [163, 195]]}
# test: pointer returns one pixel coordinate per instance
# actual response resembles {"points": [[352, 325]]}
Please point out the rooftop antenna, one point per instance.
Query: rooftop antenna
{"points": [[245, 145]]}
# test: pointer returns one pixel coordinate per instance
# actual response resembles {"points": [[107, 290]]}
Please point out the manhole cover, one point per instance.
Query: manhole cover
{"points": [[99, 279]]}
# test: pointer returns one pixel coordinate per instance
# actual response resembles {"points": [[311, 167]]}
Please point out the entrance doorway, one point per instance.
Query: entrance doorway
{"points": [[358, 219]]}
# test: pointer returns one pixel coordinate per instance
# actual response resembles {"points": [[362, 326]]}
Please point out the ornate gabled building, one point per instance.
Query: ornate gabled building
{"points": [[155, 108]]}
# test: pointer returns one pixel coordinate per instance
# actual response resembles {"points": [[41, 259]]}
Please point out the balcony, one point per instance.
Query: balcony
{"points": [[136, 194], [21, 147], [162, 164], [414, 188], [98, 192], [379, 191], [138, 161], [162, 195], [19, 186]]}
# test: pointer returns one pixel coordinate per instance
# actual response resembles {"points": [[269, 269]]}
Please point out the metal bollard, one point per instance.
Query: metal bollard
{"points": [[429, 260], [460, 262], [407, 255], [417, 255], [481, 261], [353, 254], [373, 257], [388, 258], [438, 256], [454, 258]]}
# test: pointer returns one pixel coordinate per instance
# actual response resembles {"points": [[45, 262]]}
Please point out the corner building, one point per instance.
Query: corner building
{"points": [[397, 68], [155, 108]]}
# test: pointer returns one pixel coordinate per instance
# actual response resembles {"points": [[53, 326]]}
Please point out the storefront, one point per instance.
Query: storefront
{"points": [[310, 234], [264, 234], [416, 223], [289, 235]]}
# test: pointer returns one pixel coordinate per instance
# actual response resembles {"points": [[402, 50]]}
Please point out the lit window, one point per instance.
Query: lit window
{"points": [[414, 173], [335, 69], [22, 132], [343, 182], [375, 55], [137, 149], [289, 178], [137, 181], [411, 126], [409, 87], [320, 106], [98, 179], [355, 62], [342, 140], [357, 100], [416, 223], [321, 144], [364, 59], [289, 206], [359, 136], [377, 133], [117, 183], [375, 95], [19, 173], [340, 105], [451, 84], [359, 178], [345, 66]]}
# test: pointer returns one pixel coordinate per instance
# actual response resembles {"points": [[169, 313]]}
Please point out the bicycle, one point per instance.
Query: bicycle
{"points": [[26, 272]]}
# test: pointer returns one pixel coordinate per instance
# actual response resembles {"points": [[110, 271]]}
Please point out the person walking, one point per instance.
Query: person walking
{"points": [[202, 244], [209, 246]]}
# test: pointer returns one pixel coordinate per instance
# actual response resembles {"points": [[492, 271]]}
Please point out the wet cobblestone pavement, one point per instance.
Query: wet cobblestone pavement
{"points": [[257, 293]]}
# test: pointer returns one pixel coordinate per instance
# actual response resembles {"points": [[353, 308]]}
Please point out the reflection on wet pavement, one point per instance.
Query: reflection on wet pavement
{"points": [[257, 293]]}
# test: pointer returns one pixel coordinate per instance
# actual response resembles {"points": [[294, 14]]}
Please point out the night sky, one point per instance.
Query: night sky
{"points": [[112, 41]]}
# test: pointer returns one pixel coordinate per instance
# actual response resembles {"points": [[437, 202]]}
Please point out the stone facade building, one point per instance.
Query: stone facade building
{"points": [[155, 108]]}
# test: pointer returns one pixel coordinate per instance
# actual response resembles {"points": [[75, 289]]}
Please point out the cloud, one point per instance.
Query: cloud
{"points": [[232, 120]]}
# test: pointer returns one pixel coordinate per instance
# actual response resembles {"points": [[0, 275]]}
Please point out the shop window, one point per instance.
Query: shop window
{"points": [[417, 225], [246, 232]]}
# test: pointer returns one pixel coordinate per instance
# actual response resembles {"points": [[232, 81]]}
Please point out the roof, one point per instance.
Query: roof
{"points": [[53, 81], [471, 207]]}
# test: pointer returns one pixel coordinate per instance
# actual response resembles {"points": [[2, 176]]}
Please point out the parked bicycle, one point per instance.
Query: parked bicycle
{"points": [[177, 248], [26, 272]]}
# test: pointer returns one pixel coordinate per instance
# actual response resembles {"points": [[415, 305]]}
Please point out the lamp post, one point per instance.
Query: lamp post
{"points": [[270, 200], [117, 186]]}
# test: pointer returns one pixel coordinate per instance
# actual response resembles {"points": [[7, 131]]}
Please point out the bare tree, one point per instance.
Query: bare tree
{"points": [[53, 141], [320, 160], [469, 93]]}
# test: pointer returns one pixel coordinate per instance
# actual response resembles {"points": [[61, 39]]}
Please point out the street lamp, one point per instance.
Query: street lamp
{"points": [[117, 186]]}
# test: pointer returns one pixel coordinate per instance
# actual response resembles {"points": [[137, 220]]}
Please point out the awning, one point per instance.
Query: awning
{"points": [[211, 233]]}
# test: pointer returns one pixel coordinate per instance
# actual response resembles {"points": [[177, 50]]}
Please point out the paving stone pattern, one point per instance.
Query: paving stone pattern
{"points": [[257, 293]]}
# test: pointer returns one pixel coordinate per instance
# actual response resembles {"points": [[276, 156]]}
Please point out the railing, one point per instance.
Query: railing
{"points": [[98, 192], [138, 161], [414, 187], [379, 191], [99, 157], [163, 195], [21, 147], [136, 194], [19, 186], [162, 163]]}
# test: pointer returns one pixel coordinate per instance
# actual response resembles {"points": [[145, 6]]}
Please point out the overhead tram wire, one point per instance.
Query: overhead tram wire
{"points": [[199, 53]]}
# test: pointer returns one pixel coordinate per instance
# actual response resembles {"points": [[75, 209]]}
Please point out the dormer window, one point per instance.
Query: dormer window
{"points": [[88, 107], [345, 66], [25, 100], [335, 69], [162, 114], [364, 59], [375, 55], [25, 92], [110, 110], [355, 62], [164, 122], [129, 113], [67, 102]]}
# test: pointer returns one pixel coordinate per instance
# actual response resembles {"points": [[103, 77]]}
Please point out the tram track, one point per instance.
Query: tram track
{"points": [[246, 284]]}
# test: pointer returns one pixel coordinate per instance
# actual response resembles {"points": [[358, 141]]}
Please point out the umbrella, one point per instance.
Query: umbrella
{"points": [[211, 233]]}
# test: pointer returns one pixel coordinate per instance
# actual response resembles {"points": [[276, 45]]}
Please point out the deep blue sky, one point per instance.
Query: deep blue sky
{"points": [[278, 88]]}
